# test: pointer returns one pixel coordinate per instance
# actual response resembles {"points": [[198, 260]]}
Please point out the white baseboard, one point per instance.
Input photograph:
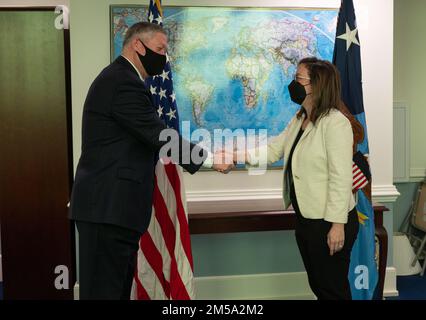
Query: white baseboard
{"points": [[384, 193], [285, 286], [417, 173], [273, 286], [235, 200], [76, 291], [390, 289], [260, 199]]}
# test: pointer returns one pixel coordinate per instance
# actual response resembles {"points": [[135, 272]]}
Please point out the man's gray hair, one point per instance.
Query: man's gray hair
{"points": [[143, 29]]}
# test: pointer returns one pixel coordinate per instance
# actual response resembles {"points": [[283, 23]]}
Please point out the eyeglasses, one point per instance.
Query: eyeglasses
{"points": [[296, 78]]}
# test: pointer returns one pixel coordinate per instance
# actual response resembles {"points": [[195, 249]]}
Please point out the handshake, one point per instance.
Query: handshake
{"points": [[224, 161]]}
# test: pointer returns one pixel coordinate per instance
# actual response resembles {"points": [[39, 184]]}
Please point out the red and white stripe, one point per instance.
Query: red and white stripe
{"points": [[359, 179], [164, 262]]}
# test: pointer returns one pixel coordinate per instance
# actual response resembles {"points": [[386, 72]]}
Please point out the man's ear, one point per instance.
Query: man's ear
{"points": [[137, 46]]}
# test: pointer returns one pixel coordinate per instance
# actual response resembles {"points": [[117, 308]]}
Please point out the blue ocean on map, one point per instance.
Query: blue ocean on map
{"points": [[231, 66]]}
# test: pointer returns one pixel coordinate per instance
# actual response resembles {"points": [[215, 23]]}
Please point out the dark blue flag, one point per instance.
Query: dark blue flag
{"points": [[363, 274], [161, 86]]}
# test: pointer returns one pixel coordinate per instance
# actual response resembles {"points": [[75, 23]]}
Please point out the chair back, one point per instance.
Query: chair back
{"points": [[418, 219]]}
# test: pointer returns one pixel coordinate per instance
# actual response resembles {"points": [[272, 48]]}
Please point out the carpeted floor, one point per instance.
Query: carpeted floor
{"points": [[411, 288]]}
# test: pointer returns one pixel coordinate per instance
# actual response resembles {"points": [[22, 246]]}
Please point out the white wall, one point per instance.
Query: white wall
{"points": [[410, 67], [238, 191], [33, 3]]}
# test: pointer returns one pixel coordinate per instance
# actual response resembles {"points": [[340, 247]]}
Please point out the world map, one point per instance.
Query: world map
{"points": [[231, 66]]}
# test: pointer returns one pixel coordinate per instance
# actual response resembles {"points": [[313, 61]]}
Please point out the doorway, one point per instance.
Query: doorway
{"points": [[35, 155]]}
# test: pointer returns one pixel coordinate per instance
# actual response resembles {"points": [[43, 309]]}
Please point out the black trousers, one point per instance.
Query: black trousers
{"points": [[327, 275], [107, 258]]}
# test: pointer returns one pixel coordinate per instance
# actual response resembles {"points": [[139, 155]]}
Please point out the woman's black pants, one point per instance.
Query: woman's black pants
{"points": [[328, 275]]}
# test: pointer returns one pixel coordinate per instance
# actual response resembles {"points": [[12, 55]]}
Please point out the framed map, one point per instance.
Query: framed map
{"points": [[231, 66]]}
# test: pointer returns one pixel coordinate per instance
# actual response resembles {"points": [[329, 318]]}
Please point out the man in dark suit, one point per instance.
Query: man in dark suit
{"points": [[112, 195]]}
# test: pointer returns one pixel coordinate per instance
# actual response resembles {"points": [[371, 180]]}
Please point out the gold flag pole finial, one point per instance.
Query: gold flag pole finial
{"points": [[158, 4]]}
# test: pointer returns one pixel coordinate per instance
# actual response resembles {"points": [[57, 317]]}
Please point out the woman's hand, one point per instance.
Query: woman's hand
{"points": [[336, 237]]}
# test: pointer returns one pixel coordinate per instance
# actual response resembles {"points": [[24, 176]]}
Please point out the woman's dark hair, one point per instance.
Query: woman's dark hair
{"points": [[326, 87]]}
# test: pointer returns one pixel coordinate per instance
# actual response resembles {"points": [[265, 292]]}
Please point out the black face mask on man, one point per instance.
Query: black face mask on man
{"points": [[153, 62], [297, 92]]}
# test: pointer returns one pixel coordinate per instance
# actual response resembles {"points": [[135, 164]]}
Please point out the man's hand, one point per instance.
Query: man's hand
{"points": [[223, 161], [239, 156], [336, 237]]}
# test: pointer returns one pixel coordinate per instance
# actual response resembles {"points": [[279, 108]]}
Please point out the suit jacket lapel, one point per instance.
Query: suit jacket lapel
{"points": [[291, 137], [307, 130], [123, 61], [293, 134]]}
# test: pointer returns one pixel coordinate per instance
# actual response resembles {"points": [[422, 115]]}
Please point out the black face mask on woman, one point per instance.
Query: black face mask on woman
{"points": [[153, 62], [297, 92]]}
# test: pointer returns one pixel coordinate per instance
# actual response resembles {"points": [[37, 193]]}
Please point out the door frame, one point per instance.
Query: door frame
{"points": [[68, 106]]}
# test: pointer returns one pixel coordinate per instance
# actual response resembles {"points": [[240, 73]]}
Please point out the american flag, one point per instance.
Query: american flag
{"points": [[360, 171], [347, 58], [164, 261]]}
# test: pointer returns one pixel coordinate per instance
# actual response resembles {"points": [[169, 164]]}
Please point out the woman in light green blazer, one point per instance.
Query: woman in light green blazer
{"points": [[317, 150]]}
